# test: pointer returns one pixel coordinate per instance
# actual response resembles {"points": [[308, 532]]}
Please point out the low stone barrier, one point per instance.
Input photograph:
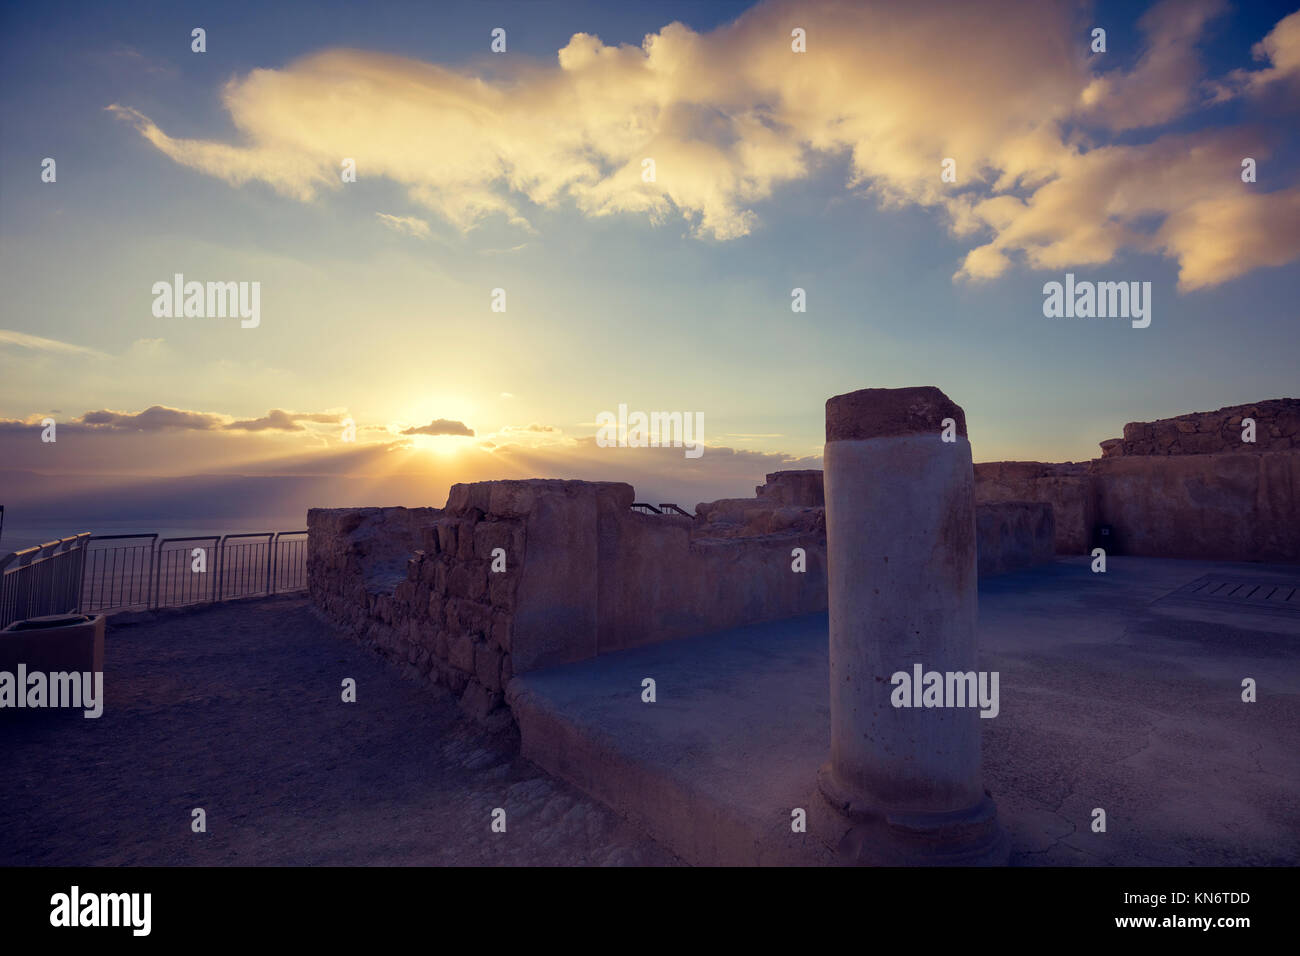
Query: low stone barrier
{"points": [[1234, 506], [1014, 534], [1068, 487], [515, 575]]}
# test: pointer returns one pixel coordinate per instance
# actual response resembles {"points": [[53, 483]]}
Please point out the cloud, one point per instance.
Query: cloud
{"points": [[1281, 50], [36, 343], [157, 418], [534, 435], [441, 426], [1166, 82], [1008, 90], [137, 60], [408, 225], [153, 418], [1206, 218], [278, 419]]}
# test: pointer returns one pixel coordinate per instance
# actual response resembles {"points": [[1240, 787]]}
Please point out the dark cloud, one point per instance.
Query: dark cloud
{"points": [[442, 426], [279, 420], [154, 418], [163, 418]]}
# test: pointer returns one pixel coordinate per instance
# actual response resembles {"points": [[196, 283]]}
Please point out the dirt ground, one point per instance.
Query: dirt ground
{"points": [[237, 709]]}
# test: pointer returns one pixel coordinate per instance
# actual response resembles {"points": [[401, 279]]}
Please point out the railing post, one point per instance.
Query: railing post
{"points": [[221, 570], [82, 543], [153, 602], [272, 546]]}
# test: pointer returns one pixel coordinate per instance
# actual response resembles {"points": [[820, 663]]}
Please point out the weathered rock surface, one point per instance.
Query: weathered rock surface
{"points": [[1185, 487], [1277, 428], [1014, 534]]}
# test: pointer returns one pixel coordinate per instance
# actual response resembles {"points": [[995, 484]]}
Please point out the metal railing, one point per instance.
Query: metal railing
{"points": [[94, 573], [44, 579], [663, 509], [118, 575]]}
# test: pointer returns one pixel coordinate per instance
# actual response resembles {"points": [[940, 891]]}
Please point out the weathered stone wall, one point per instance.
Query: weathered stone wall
{"points": [[1014, 534], [1069, 488], [1277, 428], [790, 501], [357, 555], [801, 489], [1228, 507], [1235, 505], [658, 581], [414, 585], [583, 575]]}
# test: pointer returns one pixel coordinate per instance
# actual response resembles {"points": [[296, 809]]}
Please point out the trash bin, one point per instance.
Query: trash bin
{"points": [[59, 642]]}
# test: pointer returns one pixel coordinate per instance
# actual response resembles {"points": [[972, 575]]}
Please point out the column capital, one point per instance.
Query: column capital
{"points": [[883, 412]]}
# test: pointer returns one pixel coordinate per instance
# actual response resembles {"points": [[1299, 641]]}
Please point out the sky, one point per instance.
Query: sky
{"points": [[525, 171]]}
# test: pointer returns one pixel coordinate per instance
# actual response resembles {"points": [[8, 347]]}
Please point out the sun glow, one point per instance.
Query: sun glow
{"points": [[441, 446]]}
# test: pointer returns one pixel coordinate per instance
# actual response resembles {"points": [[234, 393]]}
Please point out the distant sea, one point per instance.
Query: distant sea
{"points": [[16, 535]]}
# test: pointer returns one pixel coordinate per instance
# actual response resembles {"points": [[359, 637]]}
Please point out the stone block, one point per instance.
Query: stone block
{"points": [[465, 541], [501, 590], [460, 581], [446, 536], [460, 652], [478, 701], [506, 535], [487, 666], [511, 499], [456, 680], [466, 497], [501, 630]]}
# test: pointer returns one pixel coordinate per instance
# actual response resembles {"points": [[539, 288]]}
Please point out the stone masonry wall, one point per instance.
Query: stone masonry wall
{"points": [[1014, 534], [1277, 428], [1017, 523], [1185, 487], [579, 573], [1068, 488], [1227, 507], [415, 585], [583, 575]]}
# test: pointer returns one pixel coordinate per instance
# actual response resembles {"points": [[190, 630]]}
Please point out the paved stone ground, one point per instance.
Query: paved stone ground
{"points": [[237, 709], [1119, 690]]}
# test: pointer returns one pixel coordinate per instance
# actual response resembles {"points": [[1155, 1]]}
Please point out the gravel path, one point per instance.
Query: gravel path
{"points": [[237, 709]]}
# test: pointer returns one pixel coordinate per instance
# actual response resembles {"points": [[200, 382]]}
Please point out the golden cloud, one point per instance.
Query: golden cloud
{"points": [[1010, 91]]}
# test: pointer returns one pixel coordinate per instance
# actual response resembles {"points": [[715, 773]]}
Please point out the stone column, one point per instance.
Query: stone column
{"points": [[900, 529]]}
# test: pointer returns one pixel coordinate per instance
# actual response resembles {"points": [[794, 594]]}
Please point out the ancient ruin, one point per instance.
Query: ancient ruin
{"points": [[513, 578]]}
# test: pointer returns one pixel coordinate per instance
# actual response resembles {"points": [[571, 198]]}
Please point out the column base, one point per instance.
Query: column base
{"points": [[878, 836]]}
